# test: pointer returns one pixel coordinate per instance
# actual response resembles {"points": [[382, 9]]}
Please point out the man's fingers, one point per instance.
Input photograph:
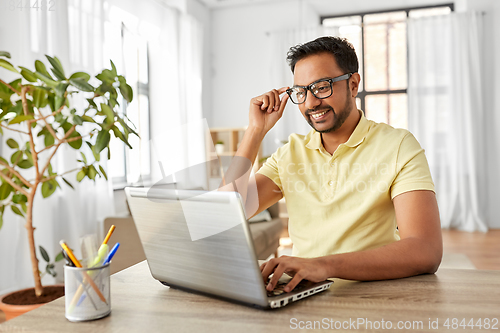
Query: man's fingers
{"points": [[293, 282], [278, 272], [265, 102], [270, 107], [269, 268], [282, 90], [284, 100]]}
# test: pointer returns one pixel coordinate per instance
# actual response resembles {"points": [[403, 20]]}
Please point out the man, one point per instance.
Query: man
{"points": [[359, 194]]}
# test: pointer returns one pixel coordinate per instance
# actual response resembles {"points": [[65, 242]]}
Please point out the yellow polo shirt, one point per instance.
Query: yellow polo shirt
{"points": [[343, 202]]}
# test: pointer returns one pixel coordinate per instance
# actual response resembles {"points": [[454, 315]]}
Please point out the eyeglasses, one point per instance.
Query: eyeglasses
{"points": [[320, 89]]}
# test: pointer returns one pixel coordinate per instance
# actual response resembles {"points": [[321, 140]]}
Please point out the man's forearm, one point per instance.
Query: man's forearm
{"points": [[239, 171], [407, 257]]}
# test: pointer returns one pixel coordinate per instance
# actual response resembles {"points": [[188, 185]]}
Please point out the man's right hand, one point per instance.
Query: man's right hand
{"points": [[267, 109]]}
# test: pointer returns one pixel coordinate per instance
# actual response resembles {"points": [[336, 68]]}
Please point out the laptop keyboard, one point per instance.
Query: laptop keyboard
{"points": [[278, 290]]}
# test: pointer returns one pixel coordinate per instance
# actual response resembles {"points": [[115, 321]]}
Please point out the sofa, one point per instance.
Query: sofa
{"points": [[265, 234]]}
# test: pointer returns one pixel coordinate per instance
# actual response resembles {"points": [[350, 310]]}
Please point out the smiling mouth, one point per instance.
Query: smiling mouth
{"points": [[319, 115]]}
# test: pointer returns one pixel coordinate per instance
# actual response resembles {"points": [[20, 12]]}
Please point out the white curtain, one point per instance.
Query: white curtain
{"points": [[446, 112], [281, 75], [67, 214], [178, 130]]}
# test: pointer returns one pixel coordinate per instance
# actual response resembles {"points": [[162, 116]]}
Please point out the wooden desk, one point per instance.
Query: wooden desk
{"points": [[141, 304]]}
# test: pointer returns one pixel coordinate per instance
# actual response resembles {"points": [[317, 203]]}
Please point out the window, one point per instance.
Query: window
{"points": [[380, 41], [129, 52]]}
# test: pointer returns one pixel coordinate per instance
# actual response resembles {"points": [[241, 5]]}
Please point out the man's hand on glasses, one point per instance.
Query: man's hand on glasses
{"points": [[267, 109]]}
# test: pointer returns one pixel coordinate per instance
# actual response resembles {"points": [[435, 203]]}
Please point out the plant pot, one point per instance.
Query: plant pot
{"points": [[219, 149], [19, 302]]}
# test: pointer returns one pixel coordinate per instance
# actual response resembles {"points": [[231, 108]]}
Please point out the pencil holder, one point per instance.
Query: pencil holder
{"points": [[87, 292]]}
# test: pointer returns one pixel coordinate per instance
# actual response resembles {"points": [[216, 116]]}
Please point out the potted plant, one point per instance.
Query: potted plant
{"points": [[219, 147], [40, 108]]}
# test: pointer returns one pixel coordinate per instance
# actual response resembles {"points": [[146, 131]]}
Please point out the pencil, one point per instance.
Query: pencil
{"points": [[79, 265], [110, 232]]}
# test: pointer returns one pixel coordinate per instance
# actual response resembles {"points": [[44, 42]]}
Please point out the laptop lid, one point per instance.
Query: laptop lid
{"points": [[198, 240]]}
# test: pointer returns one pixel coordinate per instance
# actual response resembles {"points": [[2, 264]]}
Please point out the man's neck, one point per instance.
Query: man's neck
{"points": [[334, 139]]}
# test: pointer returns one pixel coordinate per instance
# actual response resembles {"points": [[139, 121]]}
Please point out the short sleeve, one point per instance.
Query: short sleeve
{"points": [[270, 169], [412, 169]]}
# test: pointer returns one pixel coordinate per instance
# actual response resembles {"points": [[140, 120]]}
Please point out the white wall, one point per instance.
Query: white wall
{"points": [[240, 61]]}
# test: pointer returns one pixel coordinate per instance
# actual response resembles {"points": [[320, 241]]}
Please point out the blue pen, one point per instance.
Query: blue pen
{"points": [[106, 261]]}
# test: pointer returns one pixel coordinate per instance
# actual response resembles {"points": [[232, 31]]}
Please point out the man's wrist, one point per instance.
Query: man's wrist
{"points": [[258, 133], [329, 263]]}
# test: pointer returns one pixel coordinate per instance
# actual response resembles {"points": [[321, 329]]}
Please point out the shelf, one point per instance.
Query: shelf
{"points": [[231, 136]]}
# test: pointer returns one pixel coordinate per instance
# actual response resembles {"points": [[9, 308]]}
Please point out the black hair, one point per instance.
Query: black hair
{"points": [[340, 48]]}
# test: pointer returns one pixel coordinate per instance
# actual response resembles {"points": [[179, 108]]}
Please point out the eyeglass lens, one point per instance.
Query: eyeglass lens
{"points": [[320, 90]]}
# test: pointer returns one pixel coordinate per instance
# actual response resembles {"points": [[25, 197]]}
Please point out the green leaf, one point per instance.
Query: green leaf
{"points": [[80, 75], [127, 92], [61, 89], [80, 175], [27, 74], [18, 198], [102, 141], [20, 119], [81, 84], [1, 220], [48, 80], [24, 207], [12, 144], [58, 102], [59, 257], [44, 253], [7, 65], [88, 119], [40, 68], [25, 164], [16, 211], [58, 68], [92, 172], [103, 172], [16, 157], [40, 98], [5, 190], [48, 140], [48, 188], [16, 84], [97, 157], [108, 112], [58, 74], [5, 54], [77, 120], [77, 144], [67, 182], [84, 158]]}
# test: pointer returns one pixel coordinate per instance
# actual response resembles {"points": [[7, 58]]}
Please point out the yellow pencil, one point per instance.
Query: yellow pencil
{"points": [[86, 277], [110, 232]]}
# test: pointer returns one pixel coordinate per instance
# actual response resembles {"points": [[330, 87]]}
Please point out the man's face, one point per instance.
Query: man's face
{"points": [[337, 107]]}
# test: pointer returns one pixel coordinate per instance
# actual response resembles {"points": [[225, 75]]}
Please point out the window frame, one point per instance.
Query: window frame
{"points": [[363, 93], [120, 183]]}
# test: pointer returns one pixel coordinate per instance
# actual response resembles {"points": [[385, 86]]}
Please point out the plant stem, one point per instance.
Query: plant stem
{"points": [[17, 174], [31, 242], [10, 87], [31, 197], [12, 129]]}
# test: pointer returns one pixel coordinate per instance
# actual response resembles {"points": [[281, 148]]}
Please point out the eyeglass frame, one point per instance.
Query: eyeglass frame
{"points": [[342, 77]]}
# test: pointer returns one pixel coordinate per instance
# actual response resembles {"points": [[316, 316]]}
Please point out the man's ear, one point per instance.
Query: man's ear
{"points": [[354, 84]]}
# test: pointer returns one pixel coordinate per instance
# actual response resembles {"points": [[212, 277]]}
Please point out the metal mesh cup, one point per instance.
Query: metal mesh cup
{"points": [[87, 292]]}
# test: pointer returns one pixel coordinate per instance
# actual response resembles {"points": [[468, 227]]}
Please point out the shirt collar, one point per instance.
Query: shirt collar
{"points": [[356, 138]]}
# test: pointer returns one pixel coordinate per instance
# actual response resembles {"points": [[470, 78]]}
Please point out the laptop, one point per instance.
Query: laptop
{"points": [[200, 242]]}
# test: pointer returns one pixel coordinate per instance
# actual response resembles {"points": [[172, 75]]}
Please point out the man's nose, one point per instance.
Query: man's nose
{"points": [[311, 101]]}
